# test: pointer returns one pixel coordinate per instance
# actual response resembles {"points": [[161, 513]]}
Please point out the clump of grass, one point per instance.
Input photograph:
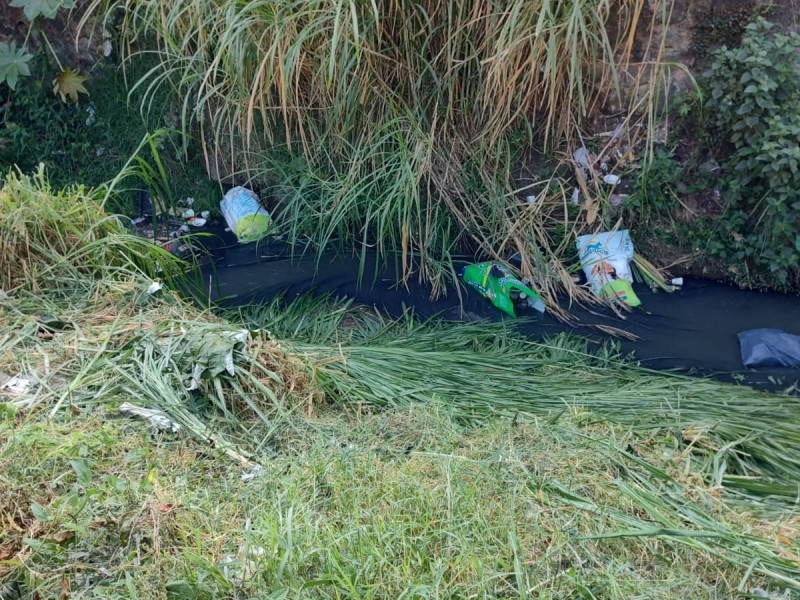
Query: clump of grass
{"points": [[56, 238], [466, 66], [395, 117], [397, 503]]}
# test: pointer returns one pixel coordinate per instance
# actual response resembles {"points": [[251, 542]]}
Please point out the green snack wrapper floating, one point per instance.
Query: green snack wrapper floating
{"points": [[621, 291], [496, 283]]}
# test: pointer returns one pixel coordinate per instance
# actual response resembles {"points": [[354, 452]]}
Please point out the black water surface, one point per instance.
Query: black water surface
{"points": [[692, 331]]}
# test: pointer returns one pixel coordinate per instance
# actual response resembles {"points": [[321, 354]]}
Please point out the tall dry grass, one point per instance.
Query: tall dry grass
{"points": [[399, 112]]}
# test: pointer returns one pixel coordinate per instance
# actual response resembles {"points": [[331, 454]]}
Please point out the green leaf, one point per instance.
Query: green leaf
{"points": [[68, 84], [180, 589], [82, 470], [44, 8], [13, 64], [41, 513]]}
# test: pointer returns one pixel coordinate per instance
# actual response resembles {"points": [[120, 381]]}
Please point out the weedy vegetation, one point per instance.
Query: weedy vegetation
{"points": [[91, 141], [726, 199], [317, 448], [389, 124], [373, 467], [754, 96]]}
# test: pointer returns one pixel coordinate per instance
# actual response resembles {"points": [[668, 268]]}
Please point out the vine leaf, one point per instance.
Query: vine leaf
{"points": [[68, 84], [44, 8], [13, 64]]}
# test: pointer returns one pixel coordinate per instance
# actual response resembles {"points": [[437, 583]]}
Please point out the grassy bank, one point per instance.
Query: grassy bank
{"points": [[388, 458], [395, 504]]}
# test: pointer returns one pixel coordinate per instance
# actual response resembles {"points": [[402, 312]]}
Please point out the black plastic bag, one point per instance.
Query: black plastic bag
{"points": [[769, 348]]}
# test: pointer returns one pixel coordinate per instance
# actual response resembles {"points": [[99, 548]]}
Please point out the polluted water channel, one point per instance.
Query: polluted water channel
{"points": [[707, 328], [693, 331]]}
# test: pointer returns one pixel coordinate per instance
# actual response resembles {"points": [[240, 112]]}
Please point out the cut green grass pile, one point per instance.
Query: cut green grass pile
{"points": [[394, 459]]}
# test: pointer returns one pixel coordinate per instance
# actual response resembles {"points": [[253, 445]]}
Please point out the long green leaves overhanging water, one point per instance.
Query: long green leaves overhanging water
{"points": [[387, 123]]}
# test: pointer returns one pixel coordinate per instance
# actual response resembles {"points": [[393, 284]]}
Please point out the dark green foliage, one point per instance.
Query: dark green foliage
{"points": [[91, 141], [754, 109], [651, 210], [722, 25], [654, 187]]}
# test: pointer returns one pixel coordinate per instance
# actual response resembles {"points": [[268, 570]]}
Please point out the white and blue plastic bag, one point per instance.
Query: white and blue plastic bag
{"points": [[605, 257], [244, 214]]}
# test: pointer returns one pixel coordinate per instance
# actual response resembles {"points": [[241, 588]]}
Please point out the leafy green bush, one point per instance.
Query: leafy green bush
{"points": [[754, 108], [653, 192]]}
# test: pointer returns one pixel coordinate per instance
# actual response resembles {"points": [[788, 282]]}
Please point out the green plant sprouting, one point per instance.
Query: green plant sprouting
{"points": [[15, 62]]}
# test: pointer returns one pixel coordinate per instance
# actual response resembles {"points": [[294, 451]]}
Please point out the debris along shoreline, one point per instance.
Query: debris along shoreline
{"points": [[691, 331], [688, 465]]}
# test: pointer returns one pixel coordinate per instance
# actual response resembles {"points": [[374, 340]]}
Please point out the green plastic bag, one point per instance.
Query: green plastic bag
{"points": [[621, 291], [496, 283]]}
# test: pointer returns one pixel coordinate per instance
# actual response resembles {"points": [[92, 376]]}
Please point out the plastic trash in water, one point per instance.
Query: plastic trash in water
{"points": [[497, 284], [769, 348], [620, 291], [612, 179], [197, 221], [605, 258], [244, 214], [187, 214]]}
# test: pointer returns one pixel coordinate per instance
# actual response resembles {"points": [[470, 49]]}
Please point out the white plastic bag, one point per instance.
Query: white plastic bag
{"points": [[244, 214], [605, 257]]}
